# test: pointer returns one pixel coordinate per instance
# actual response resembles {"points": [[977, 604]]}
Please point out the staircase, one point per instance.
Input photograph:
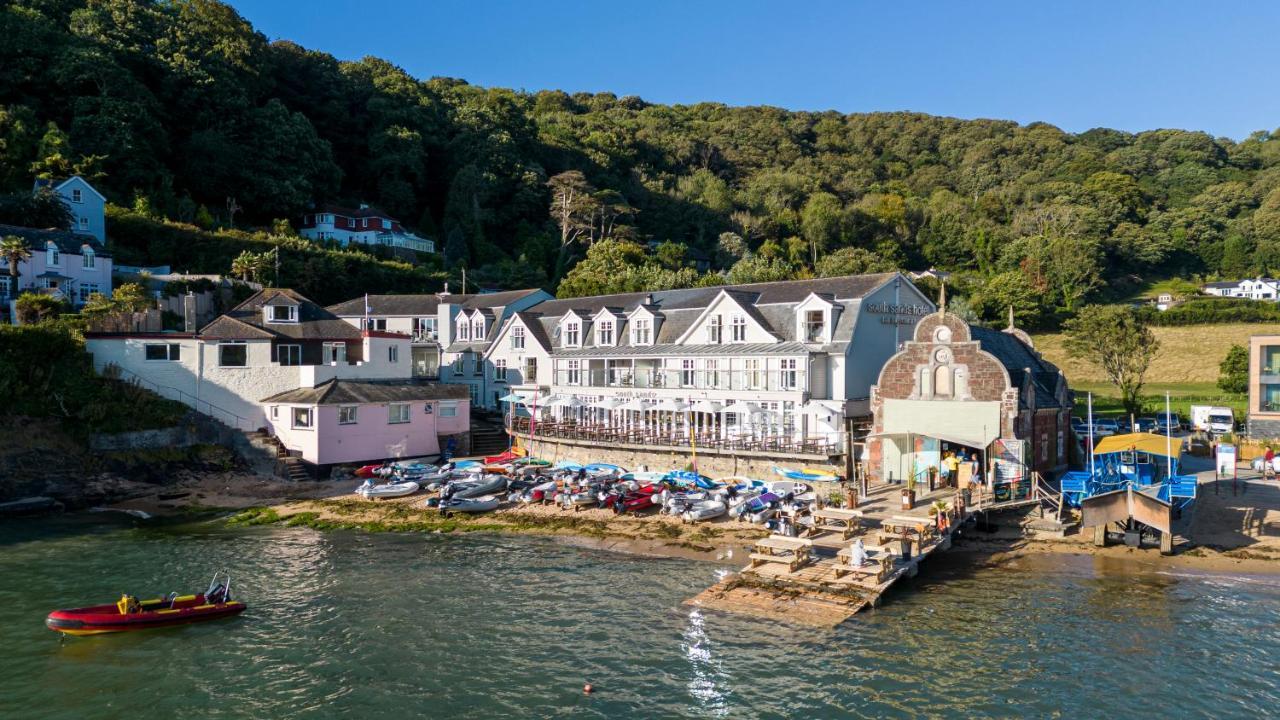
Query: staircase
{"points": [[287, 465], [488, 438]]}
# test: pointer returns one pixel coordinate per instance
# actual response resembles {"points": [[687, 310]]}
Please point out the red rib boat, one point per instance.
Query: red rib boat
{"points": [[129, 614]]}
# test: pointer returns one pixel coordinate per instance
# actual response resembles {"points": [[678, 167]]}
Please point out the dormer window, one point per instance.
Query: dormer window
{"points": [[52, 256], [464, 329], [815, 326], [572, 334], [738, 329], [715, 330], [282, 313], [477, 329], [88, 258], [641, 331], [604, 333]]}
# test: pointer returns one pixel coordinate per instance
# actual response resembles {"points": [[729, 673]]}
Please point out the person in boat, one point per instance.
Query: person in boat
{"points": [[128, 604]]}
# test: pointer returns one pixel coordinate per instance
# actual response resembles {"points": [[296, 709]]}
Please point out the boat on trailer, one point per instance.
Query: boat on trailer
{"points": [[129, 614]]}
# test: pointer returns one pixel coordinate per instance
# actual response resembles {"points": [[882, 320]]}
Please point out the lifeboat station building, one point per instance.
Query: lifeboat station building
{"points": [[984, 394]]}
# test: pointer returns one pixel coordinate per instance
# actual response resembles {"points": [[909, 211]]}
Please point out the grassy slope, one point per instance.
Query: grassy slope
{"points": [[1186, 367]]}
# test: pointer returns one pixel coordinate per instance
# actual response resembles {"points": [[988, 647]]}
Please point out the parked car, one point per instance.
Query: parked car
{"points": [[1168, 422], [1103, 427], [1123, 425]]}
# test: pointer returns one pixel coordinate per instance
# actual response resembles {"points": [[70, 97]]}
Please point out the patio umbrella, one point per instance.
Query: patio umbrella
{"points": [[634, 404], [671, 405], [608, 403], [514, 398], [738, 407], [707, 406]]}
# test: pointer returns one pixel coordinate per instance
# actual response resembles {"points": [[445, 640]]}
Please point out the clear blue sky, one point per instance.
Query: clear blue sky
{"points": [[1124, 64]]}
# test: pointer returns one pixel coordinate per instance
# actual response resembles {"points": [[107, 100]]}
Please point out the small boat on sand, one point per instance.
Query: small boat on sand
{"points": [[130, 614], [387, 490], [483, 485], [704, 510], [469, 505]]}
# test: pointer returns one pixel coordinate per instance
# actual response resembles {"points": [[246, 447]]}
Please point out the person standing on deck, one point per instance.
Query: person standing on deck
{"points": [[950, 464], [1268, 463]]}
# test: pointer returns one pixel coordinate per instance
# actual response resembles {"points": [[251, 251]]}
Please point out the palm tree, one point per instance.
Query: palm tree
{"points": [[244, 265], [14, 250]]}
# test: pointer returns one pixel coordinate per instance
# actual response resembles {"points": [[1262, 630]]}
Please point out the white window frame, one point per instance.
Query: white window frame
{"points": [[393, 354], [448, 409], [377, 324], [286, 352], [308, 413], [464, 329], [500, 370], [530, 369], [275, 412], [89, 259], [52, 255], [572, 336], [738, 329], [715, 330], [85, 289], [573, 372], [756, 377], [790, 373], [424, 327], [517, 337], [711, 367], [335, 352], [604, 333], [398, 413], [83, 222], [230, 344], [642, 331], [477, 330], [688, 373], [806, 324], [291, 314], [348, 414], [77, 195]]}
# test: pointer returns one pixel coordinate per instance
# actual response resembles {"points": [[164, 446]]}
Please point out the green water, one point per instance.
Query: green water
{"points": [[350, 625]]}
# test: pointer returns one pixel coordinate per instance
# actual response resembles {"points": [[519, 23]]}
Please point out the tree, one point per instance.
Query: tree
{"points": [[573, 209], [1233, 371], [756, 268], [671, 255], [42, 209], [1118, 341], [35, 308], [13, 250], [820, 223], [252, 266], [851, 261]]}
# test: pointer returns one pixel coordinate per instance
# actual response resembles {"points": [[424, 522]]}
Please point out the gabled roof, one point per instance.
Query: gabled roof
{"points": [[395, 305], [364, 212], [314, 322], [68, 243], [363, 392], [59, 184], [492, 300]]}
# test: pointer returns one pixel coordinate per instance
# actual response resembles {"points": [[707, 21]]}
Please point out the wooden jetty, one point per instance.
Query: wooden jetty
{"points": [[812, 580]]}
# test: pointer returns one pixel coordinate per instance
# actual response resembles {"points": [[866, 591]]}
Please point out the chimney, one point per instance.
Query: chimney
{"points": [[648, 299], [446, 288], [189, 312]]}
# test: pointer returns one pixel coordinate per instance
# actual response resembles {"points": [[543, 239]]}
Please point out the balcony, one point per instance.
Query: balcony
{"points": [[727, 440], [746, 380]]}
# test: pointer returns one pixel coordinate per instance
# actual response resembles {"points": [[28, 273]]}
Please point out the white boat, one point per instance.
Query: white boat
{"points": [[705, 510], [789, 487], [482, 485], [388, 490]]}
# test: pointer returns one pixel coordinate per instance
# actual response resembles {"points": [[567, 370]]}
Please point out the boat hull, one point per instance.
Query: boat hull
{"points": [[103, 619]]}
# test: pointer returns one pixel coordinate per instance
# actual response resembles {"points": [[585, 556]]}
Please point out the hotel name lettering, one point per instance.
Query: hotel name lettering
{"points": [[891, 314]]}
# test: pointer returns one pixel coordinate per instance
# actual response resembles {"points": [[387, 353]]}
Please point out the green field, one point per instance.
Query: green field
{"points": [[1106, 400]]}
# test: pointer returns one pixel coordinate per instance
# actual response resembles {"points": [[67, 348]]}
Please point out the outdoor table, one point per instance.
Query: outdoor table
{"points": [[878, 565], [845, 522], [792, 552]]}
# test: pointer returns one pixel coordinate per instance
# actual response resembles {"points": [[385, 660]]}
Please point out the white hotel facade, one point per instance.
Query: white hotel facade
{"points": [[780, 364]]}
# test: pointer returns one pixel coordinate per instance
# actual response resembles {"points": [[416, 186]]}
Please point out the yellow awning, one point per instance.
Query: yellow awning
{"points": [[1142, 442]]}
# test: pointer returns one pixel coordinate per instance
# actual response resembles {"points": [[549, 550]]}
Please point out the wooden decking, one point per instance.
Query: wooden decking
{"points": [[824, 587]]}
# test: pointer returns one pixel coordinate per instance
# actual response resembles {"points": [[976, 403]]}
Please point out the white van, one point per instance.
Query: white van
{"points": [[1213, 419]]}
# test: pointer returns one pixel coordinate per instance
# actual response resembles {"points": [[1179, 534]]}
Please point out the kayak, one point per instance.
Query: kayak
{"points": [[129, 614], [503, 457], [809, 474]]}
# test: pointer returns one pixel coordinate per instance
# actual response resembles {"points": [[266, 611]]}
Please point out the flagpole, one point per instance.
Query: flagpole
{"points": [[1168, 440], [1091, 467]]}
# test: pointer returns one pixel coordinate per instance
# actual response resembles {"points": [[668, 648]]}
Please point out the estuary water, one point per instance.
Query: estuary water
{"points": [[353, 625]]}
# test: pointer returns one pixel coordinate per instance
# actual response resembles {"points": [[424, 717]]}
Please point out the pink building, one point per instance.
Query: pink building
{"points": [[70, 265], [349, 421]]}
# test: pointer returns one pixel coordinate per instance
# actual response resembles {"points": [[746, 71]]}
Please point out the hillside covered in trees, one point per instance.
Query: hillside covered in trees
{"points": [[177, 106]]}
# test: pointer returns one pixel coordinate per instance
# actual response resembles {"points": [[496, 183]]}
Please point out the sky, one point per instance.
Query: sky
{"points": [[1127, 64]]}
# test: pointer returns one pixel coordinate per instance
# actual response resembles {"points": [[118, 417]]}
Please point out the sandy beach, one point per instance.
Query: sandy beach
{"points": [[1231, 528]]}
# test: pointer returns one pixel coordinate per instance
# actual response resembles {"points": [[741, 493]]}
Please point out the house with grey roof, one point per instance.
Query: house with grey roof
{"points": [[64, 264], [790, 361], [277, 351], [449, 332]]}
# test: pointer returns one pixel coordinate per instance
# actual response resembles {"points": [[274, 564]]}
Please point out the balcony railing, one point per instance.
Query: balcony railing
{"points": [[734, 438], [759, 380]]}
